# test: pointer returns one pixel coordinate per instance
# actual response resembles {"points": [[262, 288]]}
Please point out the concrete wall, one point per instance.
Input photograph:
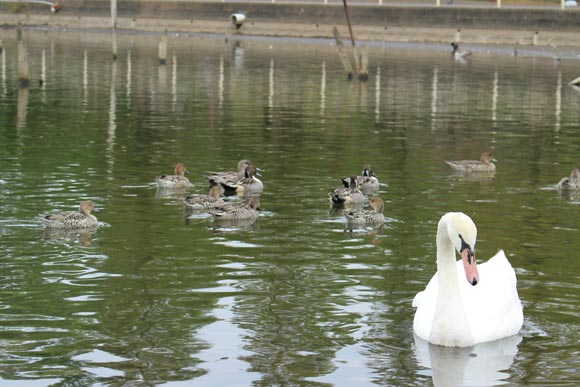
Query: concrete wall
{"points": [[389, 16]]}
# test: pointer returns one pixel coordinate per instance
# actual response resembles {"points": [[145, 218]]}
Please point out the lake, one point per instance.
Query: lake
{"points": [[162, 296]]}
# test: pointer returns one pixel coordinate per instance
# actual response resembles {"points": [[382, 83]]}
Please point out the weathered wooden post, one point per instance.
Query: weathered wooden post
{"points": [[342, 53], [163, 49], [535, 39], [114, 25], [23, 70]]}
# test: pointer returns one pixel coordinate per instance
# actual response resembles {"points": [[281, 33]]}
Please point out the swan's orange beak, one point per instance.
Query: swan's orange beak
{"points": [[468, 258]]}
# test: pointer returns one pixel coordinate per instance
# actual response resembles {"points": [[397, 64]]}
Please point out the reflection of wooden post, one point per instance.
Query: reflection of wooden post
{"points": [[163, 49], [22, 107], [23, 70]]}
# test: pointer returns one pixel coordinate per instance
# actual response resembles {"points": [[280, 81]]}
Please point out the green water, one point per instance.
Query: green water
{"points": [[158, 296]]}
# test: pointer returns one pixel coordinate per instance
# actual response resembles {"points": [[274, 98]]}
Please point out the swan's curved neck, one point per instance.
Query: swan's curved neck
{"points": [[445, 253]]}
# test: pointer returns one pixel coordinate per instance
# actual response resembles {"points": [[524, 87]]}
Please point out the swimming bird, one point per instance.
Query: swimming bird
{"points": [[72, 219], [459, 53], [570, 183], [250, 184], [347, 196], [465, 304], [484, 164], [176, 181], [238, 211], [372, 216], [368, 181], [229, 179], [205, 202]]}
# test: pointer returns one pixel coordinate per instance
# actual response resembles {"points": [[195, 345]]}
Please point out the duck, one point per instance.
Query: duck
{"points": [[570, 183], [367, 181], [484, 164], [176, 181], [372, 216], [72, 219], [464, 303], [348, 195], [238, 211], [205, 202], [229, 179], [250, 184], [459, 53]]}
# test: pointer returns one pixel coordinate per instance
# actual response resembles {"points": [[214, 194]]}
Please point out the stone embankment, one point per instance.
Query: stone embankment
{"points": [[485, 25]]}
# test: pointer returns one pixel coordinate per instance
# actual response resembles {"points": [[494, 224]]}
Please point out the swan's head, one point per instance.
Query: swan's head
{"points": [[463, 234]]}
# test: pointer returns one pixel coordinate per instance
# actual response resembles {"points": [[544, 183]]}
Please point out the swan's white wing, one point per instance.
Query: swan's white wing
{"points": [[493, 306]]}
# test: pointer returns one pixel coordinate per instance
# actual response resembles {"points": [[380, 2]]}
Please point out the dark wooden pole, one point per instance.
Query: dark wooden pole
{"points": [[348, 22]]}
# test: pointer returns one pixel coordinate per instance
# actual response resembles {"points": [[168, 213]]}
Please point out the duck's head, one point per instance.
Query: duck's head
{"points": [[368, 170], [250, 171], [377, 204], [180, 169], [455, 47], [352, 183], [463, 234], [86, 207], [242, 164], [487, 158]]}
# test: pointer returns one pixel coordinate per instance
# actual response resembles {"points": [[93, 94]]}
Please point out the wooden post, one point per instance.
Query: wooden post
{"points": [[348, 22], [114, 14], [114, 48], [438, 3], [114, 26], [458, 35], [562, 4], [23, 70], [363, 59], [163, 49], [342, 53], [499, 3], [535, 39]]}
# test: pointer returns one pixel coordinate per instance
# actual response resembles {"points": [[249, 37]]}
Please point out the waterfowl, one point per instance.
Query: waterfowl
{"points": [[372, 216], [229, 180], [238, 211], [367, 181], [205, 202], [176, 181], [570, 183], [465, 304], [484, 164], [250, 184], [72, 219], [459, 53], [350, 195]]}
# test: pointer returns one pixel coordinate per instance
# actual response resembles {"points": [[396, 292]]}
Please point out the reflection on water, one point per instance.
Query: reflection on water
{"points": [[297, 297], [481, 365]]}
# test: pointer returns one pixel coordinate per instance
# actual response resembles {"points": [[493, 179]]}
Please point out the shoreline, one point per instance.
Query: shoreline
{"points": [[469, 26]]}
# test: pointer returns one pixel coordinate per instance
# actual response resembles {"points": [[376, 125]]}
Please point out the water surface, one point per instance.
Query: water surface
{"points": [[158, 296]]}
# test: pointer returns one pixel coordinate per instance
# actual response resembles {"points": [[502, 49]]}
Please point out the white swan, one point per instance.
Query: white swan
{"points": [[456, 311]]}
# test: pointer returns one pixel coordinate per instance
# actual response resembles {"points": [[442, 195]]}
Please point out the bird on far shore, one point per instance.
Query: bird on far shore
{"points": [[459, 53]]}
